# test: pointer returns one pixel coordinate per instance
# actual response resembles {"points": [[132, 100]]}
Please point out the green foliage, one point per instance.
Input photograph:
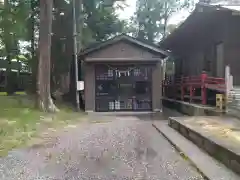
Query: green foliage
{"points": [[97, 21], [13, 20], [19, 21], [100, 21], [152, 16]]}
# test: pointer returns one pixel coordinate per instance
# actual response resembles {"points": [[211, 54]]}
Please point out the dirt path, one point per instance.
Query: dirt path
{"points": [[125, 148]]}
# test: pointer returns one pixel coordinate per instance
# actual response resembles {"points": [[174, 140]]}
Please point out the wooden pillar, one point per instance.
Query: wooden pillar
{"points": [[89, 87], [157, 87], [191, 93], [203, 88], [182, 88]]}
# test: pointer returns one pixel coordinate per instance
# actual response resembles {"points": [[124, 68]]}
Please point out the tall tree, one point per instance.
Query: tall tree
{"points": [[13, 15], [19, 20], [44, 70], [152, 16], [170, 7], [33, 29], [100, 20]]}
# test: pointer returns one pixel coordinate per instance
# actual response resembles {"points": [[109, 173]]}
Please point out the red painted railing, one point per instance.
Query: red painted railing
{"points": [[202, 81]]}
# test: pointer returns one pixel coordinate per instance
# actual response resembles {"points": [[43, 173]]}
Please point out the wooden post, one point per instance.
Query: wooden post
{"points": [[75, 49], [191, 93], [182, 88], [227, 84], [227, 78], [203, 88]]}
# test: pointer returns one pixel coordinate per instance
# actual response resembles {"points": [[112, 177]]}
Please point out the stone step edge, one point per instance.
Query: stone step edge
{"points": [[184, 155], [208, 176], [202, 142]]}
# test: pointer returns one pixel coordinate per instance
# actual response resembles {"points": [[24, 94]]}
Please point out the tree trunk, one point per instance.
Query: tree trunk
{"points": [[165, 20], [32, 30], [33, 63], [165, 28], [45, 102], [7, 39]]}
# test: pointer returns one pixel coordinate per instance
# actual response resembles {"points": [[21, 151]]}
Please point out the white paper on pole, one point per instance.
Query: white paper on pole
{"points": [[80, 85]]}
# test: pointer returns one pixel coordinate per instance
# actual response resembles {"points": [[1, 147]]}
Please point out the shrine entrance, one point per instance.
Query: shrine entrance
{"points": [[123, 87]]}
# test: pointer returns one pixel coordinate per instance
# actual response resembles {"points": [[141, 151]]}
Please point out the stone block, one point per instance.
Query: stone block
{"points": [[185, 109], [210, 147], [175, 125], [184, 131], [223, 156], [170, 122], [235, 166], [196, 139]]}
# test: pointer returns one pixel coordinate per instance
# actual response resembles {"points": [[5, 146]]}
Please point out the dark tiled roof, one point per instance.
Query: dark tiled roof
{"points": [[191, 17], [144, 43]]}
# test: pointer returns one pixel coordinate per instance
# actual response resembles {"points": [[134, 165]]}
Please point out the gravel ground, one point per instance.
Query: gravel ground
{"points": [[125, 148]]}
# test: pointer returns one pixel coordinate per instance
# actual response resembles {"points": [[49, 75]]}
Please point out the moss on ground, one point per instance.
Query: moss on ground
{"points": [[20, 122]]}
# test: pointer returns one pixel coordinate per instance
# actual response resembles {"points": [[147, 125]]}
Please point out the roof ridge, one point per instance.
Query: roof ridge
{"points": [[140, 42]]}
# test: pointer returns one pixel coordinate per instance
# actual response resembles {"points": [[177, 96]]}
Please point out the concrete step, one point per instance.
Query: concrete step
{"points": [[234, 107], [208, 166], [225, 149], [190, 108]]}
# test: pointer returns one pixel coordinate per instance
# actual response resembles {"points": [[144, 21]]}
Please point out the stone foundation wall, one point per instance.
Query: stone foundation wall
{"points": [[226, 156]]}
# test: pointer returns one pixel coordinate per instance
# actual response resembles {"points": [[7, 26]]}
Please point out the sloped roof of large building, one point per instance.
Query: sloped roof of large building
{"points": [[197, 17]]}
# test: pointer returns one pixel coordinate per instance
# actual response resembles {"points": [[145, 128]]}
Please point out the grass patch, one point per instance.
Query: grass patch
{"points": [[20, 121], [3, 93], [16, 93]]}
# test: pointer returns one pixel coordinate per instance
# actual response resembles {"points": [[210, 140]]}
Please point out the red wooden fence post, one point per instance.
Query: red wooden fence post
{"points": [[182, 88], [191, 93], [203, 88]]}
